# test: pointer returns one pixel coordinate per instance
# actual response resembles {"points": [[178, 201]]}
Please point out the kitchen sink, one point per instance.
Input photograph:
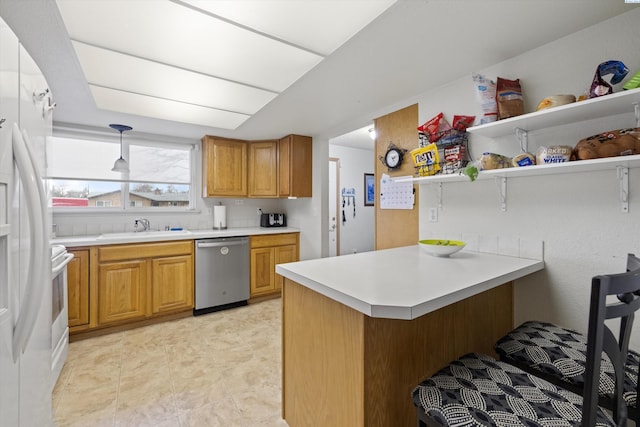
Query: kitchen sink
{"points": [[143, 234]]}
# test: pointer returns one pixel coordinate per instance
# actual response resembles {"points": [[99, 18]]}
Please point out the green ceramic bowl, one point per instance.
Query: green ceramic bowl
{"points": [[441, 247]]}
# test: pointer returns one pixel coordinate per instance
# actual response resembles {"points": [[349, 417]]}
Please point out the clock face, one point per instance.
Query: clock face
{"points": [[393, 158]]}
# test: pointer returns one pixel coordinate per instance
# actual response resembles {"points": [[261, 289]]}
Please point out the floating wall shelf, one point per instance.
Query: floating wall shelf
{"points": [[605, 106]]}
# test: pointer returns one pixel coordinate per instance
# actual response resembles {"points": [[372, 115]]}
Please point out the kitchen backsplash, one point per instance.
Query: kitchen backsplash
{"points": [[240, 213]]}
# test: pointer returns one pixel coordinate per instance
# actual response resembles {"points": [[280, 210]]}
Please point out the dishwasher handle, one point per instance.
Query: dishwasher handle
{"points": [[220, 244]]}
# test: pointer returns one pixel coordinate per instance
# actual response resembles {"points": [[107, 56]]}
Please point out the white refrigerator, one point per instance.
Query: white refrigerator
{"points": [[25, 224]]}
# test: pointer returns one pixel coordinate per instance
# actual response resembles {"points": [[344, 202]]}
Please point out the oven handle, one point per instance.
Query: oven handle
{"points": [[67, 258]]}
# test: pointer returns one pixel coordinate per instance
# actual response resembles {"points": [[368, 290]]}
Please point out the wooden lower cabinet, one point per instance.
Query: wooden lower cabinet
{"points": [[172, 283], [117, 285], [283, 255], [267, 251], [78, 289], [122, 289]]}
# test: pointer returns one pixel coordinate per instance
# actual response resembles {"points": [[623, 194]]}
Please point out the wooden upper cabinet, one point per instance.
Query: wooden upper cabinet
{"points": [[263, 168], [224, 167], [295, 163]]}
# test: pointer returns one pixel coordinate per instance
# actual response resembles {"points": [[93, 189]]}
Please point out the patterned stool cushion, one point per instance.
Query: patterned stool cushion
{"points": [[477, 390], [562, 353]]}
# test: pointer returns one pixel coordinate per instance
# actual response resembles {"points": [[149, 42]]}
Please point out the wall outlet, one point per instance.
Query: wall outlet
{"points": [[433, 214], [259, 211], [239, 202]]}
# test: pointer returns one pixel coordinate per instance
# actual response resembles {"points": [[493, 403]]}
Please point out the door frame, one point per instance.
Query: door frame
{"points": [[336, 203]]}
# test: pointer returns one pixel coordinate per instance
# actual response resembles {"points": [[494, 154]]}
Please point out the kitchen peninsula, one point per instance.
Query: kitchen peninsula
{"points": [[360, 331]]}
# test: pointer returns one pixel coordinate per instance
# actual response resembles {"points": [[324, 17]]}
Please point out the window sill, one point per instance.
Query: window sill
{"points": [[119, 211]]}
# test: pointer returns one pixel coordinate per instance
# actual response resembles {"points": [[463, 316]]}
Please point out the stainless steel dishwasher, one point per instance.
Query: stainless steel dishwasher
{"points": [[222, 274]]}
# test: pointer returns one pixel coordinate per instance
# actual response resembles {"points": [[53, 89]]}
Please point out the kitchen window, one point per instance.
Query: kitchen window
{"points": [[80, 176]]}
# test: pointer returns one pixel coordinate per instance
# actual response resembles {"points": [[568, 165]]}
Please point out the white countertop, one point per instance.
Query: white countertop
{"points": [[406, 283], [153, 236]]}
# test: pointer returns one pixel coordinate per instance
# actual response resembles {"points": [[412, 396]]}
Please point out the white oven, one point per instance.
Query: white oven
{"points": [[60, 321]]}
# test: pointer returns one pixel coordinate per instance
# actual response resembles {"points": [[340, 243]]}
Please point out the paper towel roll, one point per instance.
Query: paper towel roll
{"points": [[219, 217]]}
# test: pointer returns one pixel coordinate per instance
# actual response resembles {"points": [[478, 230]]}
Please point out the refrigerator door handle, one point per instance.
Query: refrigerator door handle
{"points": [[38, 250]]}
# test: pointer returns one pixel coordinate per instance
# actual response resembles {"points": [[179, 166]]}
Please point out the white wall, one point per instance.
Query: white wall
{"points": [[578, 216], [356, 234]]}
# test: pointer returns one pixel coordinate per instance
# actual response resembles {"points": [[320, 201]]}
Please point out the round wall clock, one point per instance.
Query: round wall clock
{"points": [[393, 157]]}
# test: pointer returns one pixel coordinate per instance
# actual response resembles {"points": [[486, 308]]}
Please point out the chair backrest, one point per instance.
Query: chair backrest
{"points": [[626, 286], [633, 263]]}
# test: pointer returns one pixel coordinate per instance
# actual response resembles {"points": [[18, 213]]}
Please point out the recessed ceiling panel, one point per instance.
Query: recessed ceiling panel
{"points": [[174, 34], [123, 72], [321, 26], [141, 105]]}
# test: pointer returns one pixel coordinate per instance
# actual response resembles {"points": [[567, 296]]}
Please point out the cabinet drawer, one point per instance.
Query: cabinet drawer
{"points": [[146, 250], [274, 240]]}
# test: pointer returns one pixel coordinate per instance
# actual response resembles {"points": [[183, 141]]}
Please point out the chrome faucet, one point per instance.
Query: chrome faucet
{"points": [[142, 222]]}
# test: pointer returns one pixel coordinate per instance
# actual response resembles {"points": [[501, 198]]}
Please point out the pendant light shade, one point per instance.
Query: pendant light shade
{"points": [[121, 164]]}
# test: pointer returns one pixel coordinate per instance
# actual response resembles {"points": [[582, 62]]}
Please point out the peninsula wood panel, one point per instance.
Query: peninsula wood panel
{"points": [[396, 227], [323, 373], [345, 369]]}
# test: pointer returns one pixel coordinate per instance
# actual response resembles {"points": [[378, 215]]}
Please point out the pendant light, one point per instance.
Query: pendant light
{"points": [[121, 164]]}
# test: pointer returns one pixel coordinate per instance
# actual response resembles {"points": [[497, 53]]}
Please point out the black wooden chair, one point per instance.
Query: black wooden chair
{"points": [[558, 355], [477, 390]]}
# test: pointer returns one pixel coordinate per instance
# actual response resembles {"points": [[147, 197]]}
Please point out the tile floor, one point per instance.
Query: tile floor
{"points": [[219, 369]]}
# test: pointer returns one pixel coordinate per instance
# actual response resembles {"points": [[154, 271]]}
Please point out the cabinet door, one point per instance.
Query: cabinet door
{"points": [[295, 161], [224, 167], [262, 271], [122, 290], [284, 254], [172, 283], [78, 288], [263, 169]]}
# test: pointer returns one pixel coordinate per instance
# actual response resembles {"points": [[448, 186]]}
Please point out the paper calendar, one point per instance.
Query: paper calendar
{"points": [[396, 195]]}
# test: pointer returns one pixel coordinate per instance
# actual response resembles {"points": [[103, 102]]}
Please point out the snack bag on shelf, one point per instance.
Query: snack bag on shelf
{"points": [[486, 96], [553, 154], [509, 98], [454, 158], [599, 86], [621, 142], [426, 160], [434, 127], [461, 123], [490, 161]]}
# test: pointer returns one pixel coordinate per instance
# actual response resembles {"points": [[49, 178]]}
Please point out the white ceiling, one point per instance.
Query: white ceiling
{"points": [[331, 86], [173, 60]]}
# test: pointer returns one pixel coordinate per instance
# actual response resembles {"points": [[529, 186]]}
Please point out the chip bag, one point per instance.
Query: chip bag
{"points": [[435, 127], [599, 86]]}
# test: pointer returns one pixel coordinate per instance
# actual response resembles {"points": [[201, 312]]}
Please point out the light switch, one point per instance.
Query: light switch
{"points": [[433, 214]]}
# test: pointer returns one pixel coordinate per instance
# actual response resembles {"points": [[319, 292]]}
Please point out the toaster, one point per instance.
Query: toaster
{"points": [[273, 220]]}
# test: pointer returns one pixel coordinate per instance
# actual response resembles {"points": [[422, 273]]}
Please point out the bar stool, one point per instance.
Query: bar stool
{"points": [[477, 390], [558, 355]]}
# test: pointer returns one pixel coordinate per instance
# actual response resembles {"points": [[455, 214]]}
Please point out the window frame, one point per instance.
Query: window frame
{"points": [[147, 140]]}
